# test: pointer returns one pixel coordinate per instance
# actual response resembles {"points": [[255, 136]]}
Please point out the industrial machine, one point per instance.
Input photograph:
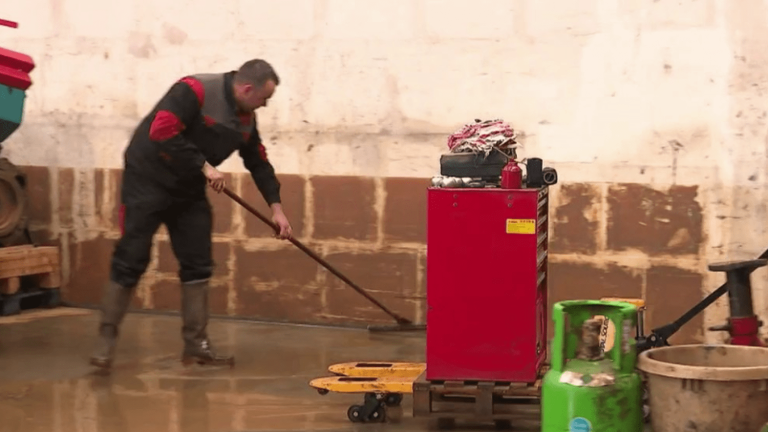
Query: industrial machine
{"points": [[487, 272], [487, 276], [743, 325], [487, 242], [14, 82]]}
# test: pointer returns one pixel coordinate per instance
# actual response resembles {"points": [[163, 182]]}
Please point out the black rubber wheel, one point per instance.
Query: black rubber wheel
{"points": [[378, 416], [322, 392], [353, 414], [393, 399]]}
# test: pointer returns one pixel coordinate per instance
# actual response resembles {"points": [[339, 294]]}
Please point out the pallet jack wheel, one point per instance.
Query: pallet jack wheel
{"points": [[393, 399], [355, 413]]}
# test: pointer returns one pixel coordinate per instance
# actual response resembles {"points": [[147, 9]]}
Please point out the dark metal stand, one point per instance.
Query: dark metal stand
{"points": [[743, 323]]}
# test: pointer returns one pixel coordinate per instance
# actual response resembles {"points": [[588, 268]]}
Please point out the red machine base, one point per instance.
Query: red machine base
{"points": [[744, 331]]}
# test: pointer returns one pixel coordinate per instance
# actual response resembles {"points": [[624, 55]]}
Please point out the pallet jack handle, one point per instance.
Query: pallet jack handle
{"points": [[400, 320]]}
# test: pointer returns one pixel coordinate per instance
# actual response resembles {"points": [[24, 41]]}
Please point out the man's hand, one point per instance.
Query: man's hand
{"points": [[215, 178], [279, 219]]}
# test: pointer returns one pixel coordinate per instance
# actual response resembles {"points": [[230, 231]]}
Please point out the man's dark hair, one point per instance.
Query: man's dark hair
{"points": [[256, 72]]}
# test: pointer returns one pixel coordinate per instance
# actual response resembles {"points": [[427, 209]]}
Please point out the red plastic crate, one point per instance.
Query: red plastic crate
{"points": [[15, 60], [14, 78], [14, 66]]}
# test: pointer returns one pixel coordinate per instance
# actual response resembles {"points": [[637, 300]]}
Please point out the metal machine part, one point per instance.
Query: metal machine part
{"points": [[660, 336], [458, 182], [537, 175], [14, 206], [14, 81], [476, 165], [534, 175], [549, 176], [459, 170], [743, 324], [498, 232]]}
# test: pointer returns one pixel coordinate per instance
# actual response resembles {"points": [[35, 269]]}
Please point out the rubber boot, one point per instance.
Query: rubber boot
{"points": [[114, 306], [194, 312]]}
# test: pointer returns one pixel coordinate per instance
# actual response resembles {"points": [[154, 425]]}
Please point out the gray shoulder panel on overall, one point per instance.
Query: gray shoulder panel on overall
{"points": [[215, 104]]}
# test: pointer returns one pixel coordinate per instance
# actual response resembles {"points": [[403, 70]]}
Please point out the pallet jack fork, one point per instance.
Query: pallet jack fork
{"points": [[382, 383]]}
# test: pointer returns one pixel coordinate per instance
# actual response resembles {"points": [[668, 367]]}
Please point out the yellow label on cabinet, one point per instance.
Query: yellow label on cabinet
{"points": [[521, 226]]}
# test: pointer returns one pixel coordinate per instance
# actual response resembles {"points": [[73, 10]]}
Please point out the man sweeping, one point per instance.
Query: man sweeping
{"points": [[196, 126]]}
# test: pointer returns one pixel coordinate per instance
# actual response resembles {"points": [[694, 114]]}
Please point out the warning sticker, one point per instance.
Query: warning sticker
{"points": [[521, 226]]}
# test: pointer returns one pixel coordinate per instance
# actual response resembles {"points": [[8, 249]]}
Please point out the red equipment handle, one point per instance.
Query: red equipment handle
{"points": [[10, 24]]}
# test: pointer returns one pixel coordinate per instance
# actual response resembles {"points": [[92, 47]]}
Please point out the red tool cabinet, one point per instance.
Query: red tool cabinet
{"points": [[486, 284]]}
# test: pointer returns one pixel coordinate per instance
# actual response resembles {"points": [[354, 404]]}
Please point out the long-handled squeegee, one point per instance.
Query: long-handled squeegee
{"points": [[403, 324]]}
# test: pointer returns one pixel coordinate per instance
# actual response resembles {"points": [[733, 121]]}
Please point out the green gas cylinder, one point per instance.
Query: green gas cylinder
{"points": [[586, 390]]}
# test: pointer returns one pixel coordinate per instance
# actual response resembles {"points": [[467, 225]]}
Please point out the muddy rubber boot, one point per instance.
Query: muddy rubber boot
{"points": [[194, 312], [114, 306]]}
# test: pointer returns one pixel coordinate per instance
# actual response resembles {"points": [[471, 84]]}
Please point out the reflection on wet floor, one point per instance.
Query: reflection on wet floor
{"points": [[47, 385]]}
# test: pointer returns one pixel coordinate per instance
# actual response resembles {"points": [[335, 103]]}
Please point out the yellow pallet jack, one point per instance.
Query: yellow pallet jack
{"points": [[382, 383]]}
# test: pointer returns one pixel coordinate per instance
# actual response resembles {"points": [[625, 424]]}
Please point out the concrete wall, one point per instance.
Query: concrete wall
{"points": [[652, 112]]}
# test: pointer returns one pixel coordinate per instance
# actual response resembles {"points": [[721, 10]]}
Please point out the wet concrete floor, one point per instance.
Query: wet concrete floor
{"points": [[46, 384]]}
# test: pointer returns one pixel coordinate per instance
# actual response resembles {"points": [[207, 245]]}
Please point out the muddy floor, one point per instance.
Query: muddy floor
{"points": [[46, 384]]}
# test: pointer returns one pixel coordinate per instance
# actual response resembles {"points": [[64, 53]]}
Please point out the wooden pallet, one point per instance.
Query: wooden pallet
{"points": [[504, 403], [29, 276]]}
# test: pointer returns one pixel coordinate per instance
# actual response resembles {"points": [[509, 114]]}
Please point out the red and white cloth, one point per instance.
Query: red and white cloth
{"points": [[483, 136]]}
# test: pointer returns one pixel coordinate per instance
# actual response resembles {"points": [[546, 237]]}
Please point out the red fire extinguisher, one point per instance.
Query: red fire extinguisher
{"points": [[511, 176]]}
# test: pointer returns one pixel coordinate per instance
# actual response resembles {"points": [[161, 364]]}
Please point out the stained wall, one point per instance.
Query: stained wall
{"points": [[653, 114]]}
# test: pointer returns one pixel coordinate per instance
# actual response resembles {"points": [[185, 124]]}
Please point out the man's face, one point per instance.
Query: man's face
{"points": [[257, 97]]}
